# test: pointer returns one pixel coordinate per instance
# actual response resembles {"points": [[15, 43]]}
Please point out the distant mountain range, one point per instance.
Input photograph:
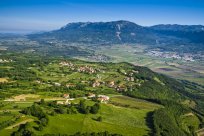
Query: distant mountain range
{"points": [[119, 32]]}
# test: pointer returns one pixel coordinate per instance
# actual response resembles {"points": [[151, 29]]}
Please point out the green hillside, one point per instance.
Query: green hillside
{"points": [[128, 99]]}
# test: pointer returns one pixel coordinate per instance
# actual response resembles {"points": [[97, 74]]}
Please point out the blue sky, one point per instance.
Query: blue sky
{"points": [[40, 15]]}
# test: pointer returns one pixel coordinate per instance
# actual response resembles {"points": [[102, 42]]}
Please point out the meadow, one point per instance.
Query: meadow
{"points": [[115, 119]]}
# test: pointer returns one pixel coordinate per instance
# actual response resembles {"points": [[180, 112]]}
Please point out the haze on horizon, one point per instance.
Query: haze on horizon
{"points": [[22, 16]]}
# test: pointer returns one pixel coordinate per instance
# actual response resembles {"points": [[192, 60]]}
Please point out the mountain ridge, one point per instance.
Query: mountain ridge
{"points": [[198, 27], [120, 32]]}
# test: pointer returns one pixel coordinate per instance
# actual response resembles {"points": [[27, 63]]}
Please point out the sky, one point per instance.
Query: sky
{"points": [[22, 16]]}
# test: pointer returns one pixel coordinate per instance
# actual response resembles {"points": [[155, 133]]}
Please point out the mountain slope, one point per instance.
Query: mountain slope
{"points": [[119, 32], [193, 33], [100, 32]]}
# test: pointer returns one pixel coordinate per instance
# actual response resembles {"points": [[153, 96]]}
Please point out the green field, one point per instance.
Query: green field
{"points": [[115, 119], [125, 101], [129, 120]]}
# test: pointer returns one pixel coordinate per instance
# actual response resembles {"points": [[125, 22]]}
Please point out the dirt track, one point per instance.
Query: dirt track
{"points": [[23, 122]]}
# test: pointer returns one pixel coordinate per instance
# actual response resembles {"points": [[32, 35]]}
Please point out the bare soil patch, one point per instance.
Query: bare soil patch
{"points": [[3, 80]]}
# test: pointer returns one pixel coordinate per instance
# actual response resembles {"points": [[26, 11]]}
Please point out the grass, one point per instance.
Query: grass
{"points": [[7, 132], [18, 105], [159, 81], [5, 67], [134, 103], [190, 119], [5, 118], [115, 119]]}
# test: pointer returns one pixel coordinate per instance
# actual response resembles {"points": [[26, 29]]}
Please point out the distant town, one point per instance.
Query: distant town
{"points": [[172, 55]]}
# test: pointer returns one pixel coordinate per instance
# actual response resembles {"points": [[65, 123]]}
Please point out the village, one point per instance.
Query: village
{"points": [[97, 82], [125, 82], [84, 69], [172, 55], [120, 84]]}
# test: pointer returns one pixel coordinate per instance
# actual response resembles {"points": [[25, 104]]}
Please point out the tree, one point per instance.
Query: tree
{"points": [[42, 101], [82, 106], [99, 119], [40, 127], [44, 121], [52, 113], [60, 110], [87, 110], [24, 130], [95, 108]]}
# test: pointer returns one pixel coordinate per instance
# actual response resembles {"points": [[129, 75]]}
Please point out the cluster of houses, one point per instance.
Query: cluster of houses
{"points": [[129, 79], [67, 101], [68, 64], [111, 84], [57, 84], [86, 69], [173, 55], [101, 98], [130, 76], [68, 85], [96, 84], [121, 88]]}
